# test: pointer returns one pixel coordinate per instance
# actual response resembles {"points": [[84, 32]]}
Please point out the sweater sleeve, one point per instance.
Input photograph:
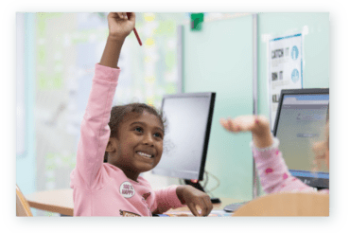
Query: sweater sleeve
{"points": [[166, 199], [94, 131], [273, 171]]}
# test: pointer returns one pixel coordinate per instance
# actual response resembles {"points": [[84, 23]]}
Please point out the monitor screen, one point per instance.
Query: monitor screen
{"points": [[188, 119], [300, 122]]}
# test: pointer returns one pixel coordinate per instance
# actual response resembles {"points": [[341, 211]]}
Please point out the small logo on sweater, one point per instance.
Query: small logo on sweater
{"points": [[128, 214], [126, 189]]}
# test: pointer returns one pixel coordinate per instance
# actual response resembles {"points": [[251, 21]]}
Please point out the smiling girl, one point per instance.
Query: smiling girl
{"points": [[129, 139]]}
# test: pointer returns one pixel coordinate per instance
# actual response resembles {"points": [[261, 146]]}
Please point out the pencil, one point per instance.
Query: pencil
{"points": [[137, 36], [134, 29]]}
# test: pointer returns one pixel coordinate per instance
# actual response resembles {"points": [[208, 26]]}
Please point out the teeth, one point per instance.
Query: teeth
{"points": [[144, 154]]}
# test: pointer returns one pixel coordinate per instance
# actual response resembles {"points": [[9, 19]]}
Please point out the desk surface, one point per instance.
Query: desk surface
{"points": [[57, 201], [61, 201]]}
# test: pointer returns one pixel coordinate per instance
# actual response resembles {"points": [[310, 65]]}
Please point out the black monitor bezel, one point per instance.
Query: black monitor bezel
{"points": [[212, 96], [318, 183]]}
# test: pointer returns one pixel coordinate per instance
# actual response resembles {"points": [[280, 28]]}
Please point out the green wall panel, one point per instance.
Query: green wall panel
{"points": [[219, 59]]}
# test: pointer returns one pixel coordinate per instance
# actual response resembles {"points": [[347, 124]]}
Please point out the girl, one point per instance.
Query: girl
{"points": [[273, 172], [132, 143]]}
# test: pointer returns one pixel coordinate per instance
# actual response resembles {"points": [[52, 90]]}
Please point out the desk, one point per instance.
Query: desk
{"points": [[57, 201], [61, 201]]}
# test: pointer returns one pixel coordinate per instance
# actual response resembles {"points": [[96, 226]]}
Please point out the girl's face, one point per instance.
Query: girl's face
{"points": [[139, 146], [321, 149]]}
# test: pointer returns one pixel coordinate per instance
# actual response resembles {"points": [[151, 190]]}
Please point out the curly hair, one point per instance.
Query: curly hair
{"points": [[118, 113]]}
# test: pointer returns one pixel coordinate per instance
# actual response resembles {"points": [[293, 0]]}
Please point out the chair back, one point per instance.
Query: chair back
{"points": [[22, 206], [287, 204]]}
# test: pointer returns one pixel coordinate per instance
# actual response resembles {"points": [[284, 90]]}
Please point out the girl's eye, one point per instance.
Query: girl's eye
{"points": [[158, 135], [138, 129]]}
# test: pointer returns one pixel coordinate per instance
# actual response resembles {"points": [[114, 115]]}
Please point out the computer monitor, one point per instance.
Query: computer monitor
{"points": [[188, 118], [300, 122]]}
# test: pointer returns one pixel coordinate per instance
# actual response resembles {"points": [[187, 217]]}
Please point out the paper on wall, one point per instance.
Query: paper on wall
{"points": [[285, 69]]}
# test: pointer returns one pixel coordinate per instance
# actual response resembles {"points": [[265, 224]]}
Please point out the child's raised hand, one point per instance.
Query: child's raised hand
{"points": [[255, 124], [193, 197], [120, 24], [258, 125]]}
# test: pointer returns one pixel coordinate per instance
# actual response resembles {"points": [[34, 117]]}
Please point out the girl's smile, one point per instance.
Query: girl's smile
{"points": [[145, 155]]}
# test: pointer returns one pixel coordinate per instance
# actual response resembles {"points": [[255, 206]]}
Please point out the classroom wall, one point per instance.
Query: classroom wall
{"points": [[25, 134], [228, 43], [219, 59], [315, 32]]}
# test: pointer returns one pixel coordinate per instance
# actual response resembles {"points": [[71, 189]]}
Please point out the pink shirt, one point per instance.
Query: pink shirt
{"points": [[273, 171], [101, 189]]}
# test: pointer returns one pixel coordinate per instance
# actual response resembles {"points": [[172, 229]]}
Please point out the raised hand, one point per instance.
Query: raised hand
{"points": [[258, 125], [245, 123], [193, 197], [120, 24]]}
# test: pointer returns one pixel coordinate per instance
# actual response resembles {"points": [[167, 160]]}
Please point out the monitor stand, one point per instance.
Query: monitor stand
{"points": [[198, 186]]}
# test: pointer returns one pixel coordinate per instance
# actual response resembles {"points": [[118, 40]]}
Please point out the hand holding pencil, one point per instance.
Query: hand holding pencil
{"points": [[136, 34], [121, 24]]}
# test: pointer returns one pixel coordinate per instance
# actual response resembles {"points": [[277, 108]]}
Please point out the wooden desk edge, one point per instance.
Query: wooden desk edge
{"points": [[52, 208], [42, 200]]}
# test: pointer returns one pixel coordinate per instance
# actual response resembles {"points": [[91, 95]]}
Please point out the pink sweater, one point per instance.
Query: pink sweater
{"points": [[273, 171], [101, 189]]}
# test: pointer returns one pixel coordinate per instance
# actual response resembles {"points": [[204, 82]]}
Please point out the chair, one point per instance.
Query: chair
{"points": [[22, 206], [287, 204]]}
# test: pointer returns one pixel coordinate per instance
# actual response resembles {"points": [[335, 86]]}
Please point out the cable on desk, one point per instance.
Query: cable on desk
{"points": [[218, 182]]}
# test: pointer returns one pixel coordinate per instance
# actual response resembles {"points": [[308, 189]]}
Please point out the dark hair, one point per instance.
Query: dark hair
{"points": [[119, 112]]}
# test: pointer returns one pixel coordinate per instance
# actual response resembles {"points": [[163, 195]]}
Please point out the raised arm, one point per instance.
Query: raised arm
{"points": [[120, 25], [95, 131], [273, 171], [258, 125]]}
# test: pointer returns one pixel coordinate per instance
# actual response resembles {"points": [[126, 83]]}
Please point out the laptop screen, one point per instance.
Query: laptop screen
{"points": [[301, 122]]}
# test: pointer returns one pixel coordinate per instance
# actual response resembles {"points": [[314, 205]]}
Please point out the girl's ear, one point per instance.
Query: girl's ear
{"points": [[112, 145]]}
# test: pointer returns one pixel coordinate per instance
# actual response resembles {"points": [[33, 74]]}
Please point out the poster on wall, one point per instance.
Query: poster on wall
{"points": [[285, 68]]}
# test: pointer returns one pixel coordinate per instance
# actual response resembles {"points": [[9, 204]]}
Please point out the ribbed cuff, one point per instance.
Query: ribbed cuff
{"points": [[106, 73], [267, 151], [274, 145]]}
